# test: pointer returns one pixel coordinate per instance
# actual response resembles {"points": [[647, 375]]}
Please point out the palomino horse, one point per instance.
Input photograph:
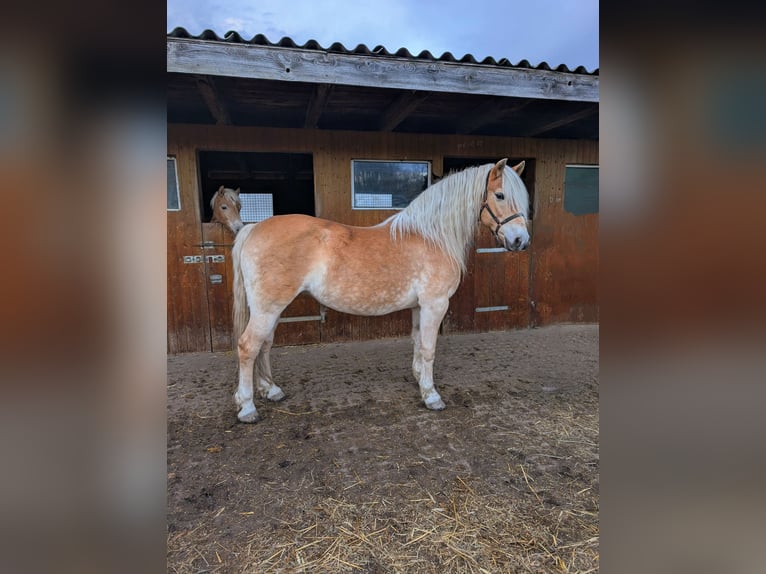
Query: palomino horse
{"points": [[412, 260], [226, 207]]}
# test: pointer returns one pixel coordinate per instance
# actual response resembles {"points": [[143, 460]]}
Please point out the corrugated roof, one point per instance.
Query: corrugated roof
{"points": [[362, 49]]}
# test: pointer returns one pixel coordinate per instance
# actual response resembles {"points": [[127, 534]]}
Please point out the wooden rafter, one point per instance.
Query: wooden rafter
{"points": [[400, 108], [316, 105], [571, 118], [209, 93]]}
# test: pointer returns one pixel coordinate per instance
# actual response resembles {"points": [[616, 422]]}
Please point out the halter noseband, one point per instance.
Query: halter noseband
{"points": [[495, 218]]}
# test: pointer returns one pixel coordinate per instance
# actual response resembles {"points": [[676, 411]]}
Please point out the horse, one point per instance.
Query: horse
{"points": [[226, 207], [415, 260]]}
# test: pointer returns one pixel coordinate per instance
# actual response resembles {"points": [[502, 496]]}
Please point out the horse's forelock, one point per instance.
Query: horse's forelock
{"points": [[232, 196], [227, 193], [519, 196]]}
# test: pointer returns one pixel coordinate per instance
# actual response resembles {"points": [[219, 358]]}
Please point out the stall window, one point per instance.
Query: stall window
{"points": [[454, 163], [581, 189], [174, 197], [379, 184], [269, 183]]}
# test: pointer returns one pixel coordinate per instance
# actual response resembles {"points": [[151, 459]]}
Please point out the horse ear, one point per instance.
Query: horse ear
{"points": [[220, 190], [519, 167], [497, 169], [236, 191]]}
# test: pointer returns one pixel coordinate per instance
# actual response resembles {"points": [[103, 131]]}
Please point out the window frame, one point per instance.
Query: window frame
{"points": [[178, 186], [428, 166], [564, 199]]}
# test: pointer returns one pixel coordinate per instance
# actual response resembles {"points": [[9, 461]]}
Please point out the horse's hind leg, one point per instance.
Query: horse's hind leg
{"points": [[431, 315], [266, 387], [259, 329], [417, 357]]}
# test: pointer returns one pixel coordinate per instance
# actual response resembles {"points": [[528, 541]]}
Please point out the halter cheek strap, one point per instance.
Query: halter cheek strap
{"points": [[495, 218]]}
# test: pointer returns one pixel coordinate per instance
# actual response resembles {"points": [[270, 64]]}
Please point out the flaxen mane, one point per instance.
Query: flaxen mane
{"points": [[447, 213]]}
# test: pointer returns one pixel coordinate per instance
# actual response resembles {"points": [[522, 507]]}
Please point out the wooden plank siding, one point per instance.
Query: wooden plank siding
{"points": [[219, 300], [188, 319], [565, 257], [554, 281]]}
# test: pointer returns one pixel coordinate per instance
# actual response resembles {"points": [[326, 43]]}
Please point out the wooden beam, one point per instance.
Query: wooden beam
{"points": [[316, 105], [207, 89], [571, 118], [487, 113], [402, 107], [190, 56]]}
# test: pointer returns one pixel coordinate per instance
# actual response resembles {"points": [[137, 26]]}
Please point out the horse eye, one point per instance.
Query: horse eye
{"points": [[500, 196], [224, 207]]}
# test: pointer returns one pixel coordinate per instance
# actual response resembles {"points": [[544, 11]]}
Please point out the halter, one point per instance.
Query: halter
{"points": [[485, 205]]}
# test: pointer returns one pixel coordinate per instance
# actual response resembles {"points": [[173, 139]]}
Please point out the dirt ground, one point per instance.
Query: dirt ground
{"points": [[351, 473]]}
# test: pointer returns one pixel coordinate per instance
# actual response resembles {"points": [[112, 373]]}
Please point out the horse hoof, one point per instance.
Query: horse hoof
{"points": [[437, 405], [249, 417], [276, 394]]}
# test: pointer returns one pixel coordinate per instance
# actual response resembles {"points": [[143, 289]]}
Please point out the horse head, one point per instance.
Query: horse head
{"points": [[504, 207], [225, 204]]}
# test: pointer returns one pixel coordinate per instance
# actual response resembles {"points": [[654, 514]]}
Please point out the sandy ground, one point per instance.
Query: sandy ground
{"points": [[351, 473]]}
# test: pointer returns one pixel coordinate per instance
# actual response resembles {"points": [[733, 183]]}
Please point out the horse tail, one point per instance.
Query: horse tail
{"points": [[241, 313]]}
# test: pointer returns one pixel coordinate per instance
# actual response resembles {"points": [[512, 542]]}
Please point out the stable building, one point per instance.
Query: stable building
{"points": [[352, 135]]}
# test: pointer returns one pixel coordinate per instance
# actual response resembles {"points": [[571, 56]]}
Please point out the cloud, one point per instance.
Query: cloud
{"points": [[557, 31]]}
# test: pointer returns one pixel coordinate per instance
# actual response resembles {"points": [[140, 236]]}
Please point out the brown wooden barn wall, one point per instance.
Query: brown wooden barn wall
{"points": [[554, 281]]}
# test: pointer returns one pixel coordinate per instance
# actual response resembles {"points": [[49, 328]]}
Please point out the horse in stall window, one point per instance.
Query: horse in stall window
{"points": [[413, 260], [226, 207]]}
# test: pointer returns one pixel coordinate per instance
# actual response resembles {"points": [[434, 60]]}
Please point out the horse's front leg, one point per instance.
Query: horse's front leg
{"points": [[431, 315], [417, 356]]}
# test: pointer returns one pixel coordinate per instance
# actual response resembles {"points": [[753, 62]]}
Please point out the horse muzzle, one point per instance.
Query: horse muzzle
{"points": [[515, 240]]}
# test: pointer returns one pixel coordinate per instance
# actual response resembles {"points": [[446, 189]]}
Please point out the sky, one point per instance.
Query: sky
{"points": [[552, 31]]}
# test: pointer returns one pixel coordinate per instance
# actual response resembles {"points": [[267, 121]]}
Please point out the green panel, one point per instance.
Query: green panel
{"points": [[581, 190]]}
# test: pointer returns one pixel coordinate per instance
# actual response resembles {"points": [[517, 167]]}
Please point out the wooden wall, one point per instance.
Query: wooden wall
{"points": [[554, 281], [564, 250]]}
